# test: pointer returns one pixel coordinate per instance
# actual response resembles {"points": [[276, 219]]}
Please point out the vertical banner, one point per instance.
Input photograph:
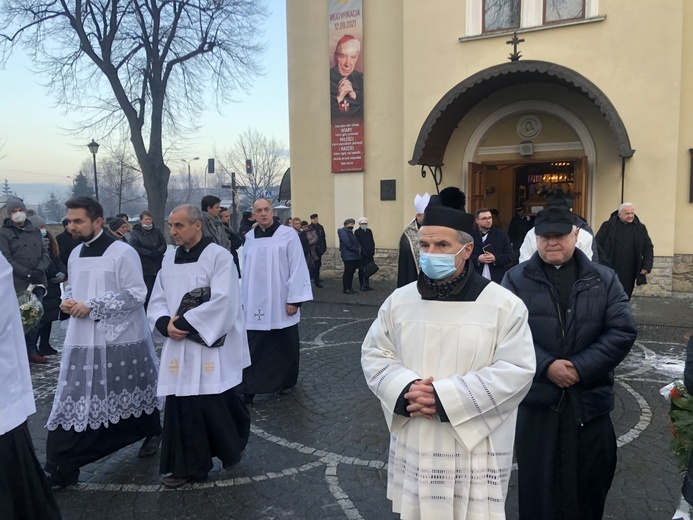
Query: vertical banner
{"points": [[346, 85]]}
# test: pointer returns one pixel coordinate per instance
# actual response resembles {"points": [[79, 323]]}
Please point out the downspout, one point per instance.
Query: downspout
{"points": [[623, 176]]}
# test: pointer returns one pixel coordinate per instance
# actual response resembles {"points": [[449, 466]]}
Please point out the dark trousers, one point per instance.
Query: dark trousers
{"points": [[564, 469], [316, 270], [149, 282], [348, 276], [363, 279]]}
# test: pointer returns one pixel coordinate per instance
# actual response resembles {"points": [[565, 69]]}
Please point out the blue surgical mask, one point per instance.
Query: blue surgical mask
{"points": [[364, 228], [438, 266]]}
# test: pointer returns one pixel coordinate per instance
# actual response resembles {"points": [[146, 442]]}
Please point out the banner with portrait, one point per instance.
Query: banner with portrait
{"points": [[346, 85]]}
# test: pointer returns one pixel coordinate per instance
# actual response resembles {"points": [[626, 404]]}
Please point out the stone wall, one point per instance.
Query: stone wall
{"points": [[386, 259], [659, 281]]}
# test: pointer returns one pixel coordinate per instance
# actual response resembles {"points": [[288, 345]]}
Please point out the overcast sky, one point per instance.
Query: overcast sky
{"points": [[38, 150]]}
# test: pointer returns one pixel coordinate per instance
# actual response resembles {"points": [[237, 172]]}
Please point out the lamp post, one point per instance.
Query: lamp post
{"points": [[93, 148], [189, 178]]}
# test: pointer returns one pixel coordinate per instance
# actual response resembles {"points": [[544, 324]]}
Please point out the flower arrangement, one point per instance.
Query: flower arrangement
{"points": [[30, 309], [544, 188], [681, 418]]}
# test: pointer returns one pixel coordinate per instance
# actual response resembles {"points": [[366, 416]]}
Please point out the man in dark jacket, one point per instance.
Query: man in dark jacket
{"points": [[365, 237], [22, 245], [66, 243], [351, 254], [492, 247], [626, 247], [150, 244], [582, 328], [320, 247], [235, 240]]}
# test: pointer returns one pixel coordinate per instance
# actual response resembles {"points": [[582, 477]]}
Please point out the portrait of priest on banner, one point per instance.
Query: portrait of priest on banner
{"points": [[346, 82]]}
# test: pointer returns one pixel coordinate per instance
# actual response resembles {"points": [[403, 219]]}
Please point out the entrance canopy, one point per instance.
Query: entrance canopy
{"points": [[445, 117]]}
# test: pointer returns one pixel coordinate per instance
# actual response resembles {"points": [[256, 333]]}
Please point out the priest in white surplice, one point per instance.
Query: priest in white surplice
{"points": [[204, 417], [275, 282], [106, 393], [24, 489], [450, 357]]}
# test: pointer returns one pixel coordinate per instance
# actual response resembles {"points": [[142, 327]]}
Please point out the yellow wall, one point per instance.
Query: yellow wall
{"points": [[638, 56]]}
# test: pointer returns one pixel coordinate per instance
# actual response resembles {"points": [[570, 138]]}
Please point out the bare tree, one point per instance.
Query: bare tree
{"points": [[119, 181], [147, 64], [269, 161]]}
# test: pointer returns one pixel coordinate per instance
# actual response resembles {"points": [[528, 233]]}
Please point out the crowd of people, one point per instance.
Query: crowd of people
{"points": [[493, 343]]}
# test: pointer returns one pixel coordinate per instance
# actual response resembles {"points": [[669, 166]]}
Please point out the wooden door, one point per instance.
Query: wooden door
{"points": [[580, 187], [477, 186]]}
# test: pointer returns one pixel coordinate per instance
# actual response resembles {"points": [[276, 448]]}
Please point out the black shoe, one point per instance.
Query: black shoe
{"points": [[286, 391], [318, 285], [349, 291], [248, 399], [368, 287], [149, 446], [363, 288], [46, 350]]}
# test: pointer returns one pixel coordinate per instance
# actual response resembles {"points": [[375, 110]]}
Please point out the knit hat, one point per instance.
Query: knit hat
{"points": [[14, 203], [37, 221], [116, 224], [363, 220]]}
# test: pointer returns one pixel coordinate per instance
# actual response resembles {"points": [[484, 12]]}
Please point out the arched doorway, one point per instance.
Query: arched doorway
{"points": [[446, 116]]}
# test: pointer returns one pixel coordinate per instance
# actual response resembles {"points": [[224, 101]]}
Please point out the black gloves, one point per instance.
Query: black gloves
{"points": [[36, 276]]}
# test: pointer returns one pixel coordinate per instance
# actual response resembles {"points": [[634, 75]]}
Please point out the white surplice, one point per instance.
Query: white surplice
{"points": [[481, 356], [189, 368], [16, 395], [108, 367], [275, 273]]}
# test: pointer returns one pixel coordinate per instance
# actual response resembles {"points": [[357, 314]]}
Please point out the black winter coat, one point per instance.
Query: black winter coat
{"points": [[643, 256], [598, 333], [150, 245], [367, 243]]}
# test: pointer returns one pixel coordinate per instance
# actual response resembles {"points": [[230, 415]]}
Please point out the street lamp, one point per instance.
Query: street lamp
{"points": [[93, 148], [189, 180]]}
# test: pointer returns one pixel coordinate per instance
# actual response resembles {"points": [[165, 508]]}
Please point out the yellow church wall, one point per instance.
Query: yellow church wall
{"points": [[638, 55]]}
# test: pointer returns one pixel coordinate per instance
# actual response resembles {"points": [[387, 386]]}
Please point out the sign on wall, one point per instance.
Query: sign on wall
{"points": [[346, 85]]}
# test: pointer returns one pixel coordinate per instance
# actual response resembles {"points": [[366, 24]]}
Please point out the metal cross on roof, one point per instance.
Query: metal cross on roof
{"points": [[515, 56]]}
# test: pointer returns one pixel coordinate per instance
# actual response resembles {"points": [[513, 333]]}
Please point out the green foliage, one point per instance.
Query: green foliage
{"points": [[81, 186], [681, 416]]}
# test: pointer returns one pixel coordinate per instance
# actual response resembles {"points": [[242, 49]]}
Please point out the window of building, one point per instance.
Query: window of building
{"points": [[498, 16], [501, 14], [562, 10]]}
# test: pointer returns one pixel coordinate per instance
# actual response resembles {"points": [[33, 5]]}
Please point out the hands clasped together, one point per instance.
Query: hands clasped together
{"points": [[562, 373], [74, 308], [422, 401]]}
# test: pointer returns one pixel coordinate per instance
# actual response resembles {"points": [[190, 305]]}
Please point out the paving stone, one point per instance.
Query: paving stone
{"points": [[321, 452]]}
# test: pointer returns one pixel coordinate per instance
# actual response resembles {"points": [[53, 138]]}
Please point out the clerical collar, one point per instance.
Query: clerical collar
{"points": [[87, 244], [189, 256], [259, 233], [567, 263], [442, 290]]}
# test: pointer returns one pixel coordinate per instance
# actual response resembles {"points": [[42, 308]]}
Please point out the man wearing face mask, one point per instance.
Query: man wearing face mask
{"points": [[365, 237], [350, 251], [22, 246], [450, 358]]}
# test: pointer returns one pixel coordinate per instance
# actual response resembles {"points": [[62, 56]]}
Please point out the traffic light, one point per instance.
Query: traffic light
{"points": [[248, 166], [210, 165]]}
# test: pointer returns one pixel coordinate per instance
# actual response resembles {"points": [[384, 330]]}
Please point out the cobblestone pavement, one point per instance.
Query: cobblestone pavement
{"points": [[321, 452]]}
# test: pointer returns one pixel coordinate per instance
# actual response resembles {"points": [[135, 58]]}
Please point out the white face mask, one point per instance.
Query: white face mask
{"points": [[43, 232], [147, 226], [19, 217]]}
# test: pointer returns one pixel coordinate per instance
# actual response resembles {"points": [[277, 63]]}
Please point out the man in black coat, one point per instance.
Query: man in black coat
{"points": [[320, 248], [626, 247], [150, 244], [365, 237], [582, 328], [492, 247]]}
